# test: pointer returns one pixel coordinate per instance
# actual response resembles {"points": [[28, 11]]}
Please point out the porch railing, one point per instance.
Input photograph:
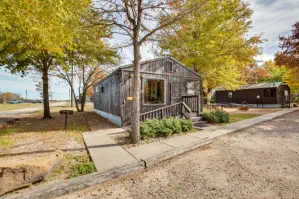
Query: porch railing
{"points": [[178, 109], [193, 102]]}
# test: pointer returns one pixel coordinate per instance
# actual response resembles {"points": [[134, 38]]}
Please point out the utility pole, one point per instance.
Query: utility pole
{"points": [[26, 96]]}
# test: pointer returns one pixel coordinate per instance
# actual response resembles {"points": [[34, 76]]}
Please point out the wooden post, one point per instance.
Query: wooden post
{"points": [[198, 105]]}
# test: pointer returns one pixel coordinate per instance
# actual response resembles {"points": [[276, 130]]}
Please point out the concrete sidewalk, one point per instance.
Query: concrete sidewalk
{"points": [[107, 155]]}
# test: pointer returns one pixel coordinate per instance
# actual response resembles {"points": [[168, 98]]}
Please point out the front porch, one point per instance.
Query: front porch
{"points": [[189, 107]]}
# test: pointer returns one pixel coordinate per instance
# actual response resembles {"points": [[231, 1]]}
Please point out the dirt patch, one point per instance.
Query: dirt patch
{"points": [[30, 135], [258, 162], [95, 122]]}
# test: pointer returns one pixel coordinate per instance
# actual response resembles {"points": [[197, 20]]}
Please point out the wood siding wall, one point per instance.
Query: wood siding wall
{"points": [[109, 100], [248, 95], [156, 70]]}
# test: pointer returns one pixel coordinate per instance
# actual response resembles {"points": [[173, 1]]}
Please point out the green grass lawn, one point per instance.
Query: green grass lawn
{"points": [[236, 117], [8, 107]]}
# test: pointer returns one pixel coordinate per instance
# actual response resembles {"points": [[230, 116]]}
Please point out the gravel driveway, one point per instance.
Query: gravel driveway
{"points": [[258, 162]]}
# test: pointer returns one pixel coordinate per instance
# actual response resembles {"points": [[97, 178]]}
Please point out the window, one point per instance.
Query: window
{"points": [[286, 94], [176, 92], [190, 88], [154, 91], [270, 93], [99, 89], [168, 66]]}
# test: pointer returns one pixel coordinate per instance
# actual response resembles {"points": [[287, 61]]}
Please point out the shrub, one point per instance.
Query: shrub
{"points": [[82, 169], [164, 127], [187, 125], [215, 116], [172, 124]]}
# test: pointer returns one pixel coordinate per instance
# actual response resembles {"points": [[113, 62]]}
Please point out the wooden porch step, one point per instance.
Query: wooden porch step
{"points": [[193, 114], [200, 124], [195, 119]]}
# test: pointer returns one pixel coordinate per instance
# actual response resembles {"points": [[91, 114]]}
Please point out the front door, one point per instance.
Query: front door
{"points": [[175, 92]]}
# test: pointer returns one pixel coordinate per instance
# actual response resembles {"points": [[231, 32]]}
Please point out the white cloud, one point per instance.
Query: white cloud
{"points": [[273, 18]]}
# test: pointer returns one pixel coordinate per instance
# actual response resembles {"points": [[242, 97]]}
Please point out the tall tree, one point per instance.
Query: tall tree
{"points": [[36, 34], [214, 41], [89, 53], [139, 20], [289, 56]]}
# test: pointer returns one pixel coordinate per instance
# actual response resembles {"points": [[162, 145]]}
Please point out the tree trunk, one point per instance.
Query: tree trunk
{"points": [[135, 133], [74, 97], [47, 114], [83, 100]]}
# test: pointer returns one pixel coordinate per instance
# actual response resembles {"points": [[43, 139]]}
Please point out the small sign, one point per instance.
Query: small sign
{"points": [[286, 93], [129, 98], [66, 112], [258, 97]]}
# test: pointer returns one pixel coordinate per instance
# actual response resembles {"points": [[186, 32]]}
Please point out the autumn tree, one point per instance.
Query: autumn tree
{"points": [[289, 56], [89, 56], [267, 72], [139, 21], [36, 34], [87, 76], [214, 42]]}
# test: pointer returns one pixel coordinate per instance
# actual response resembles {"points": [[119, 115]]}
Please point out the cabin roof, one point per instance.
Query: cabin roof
{"points": [[144, 62], [157, 59], [258, 86]]}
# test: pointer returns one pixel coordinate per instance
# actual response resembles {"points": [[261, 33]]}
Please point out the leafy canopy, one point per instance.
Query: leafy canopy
{"points": [[213, 41], [35, 29], [268, 72], [288, 56]]}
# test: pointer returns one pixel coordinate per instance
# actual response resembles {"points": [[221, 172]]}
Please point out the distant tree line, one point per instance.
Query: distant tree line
{"points": [[6, 96]]}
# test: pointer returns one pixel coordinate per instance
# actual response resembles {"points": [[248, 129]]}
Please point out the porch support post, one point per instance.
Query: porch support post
{"points": [[201, 95], [198, 105]]}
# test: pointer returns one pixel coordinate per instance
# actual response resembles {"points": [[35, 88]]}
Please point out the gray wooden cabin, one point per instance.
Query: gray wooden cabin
{"points": [[168, 88]]}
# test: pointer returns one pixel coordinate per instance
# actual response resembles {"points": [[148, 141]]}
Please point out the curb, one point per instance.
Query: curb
{"points": [[64, 187]]}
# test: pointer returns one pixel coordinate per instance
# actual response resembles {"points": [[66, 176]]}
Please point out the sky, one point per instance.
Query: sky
{"points": [[271, 18]]}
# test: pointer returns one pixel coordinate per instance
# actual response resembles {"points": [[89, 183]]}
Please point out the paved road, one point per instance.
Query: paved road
{"points": [[28, 110], [258, 162]]}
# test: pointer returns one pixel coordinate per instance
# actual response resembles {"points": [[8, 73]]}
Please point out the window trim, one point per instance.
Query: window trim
{"points": [[268, 93], [153, 78], [100, 89], [172, 67]]}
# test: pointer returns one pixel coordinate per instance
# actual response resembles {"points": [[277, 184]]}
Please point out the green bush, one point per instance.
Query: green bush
{"points": [[215, 116], [82, 169], [187, 125], [164, 127]]}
